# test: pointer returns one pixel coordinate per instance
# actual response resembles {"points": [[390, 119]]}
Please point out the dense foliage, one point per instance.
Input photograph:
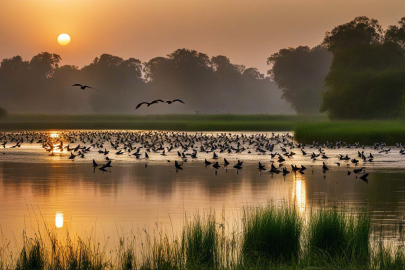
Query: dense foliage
{"points": [[207, 85], [300, 73], [367, 75]]}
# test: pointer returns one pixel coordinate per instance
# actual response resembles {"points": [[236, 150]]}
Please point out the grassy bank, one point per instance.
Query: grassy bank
{"points": [[175, 122], [270, 237], [365, 132]]}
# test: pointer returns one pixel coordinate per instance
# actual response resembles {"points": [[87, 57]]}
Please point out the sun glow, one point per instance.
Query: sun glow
{"points": [[54, 135], [63, 39], [59, 220]]}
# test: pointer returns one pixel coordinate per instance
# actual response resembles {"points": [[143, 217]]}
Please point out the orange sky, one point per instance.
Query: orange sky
{"points": [[247, 31]]}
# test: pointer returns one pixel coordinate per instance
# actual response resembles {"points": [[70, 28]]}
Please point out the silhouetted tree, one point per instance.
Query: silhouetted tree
{"points": [[299, 73], [361, 30], [367, 75], [117, 80], [207, 85], [396, 33]]}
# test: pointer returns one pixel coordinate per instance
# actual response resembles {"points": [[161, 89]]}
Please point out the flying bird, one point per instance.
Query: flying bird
{"points": [[140, 104], [155, 102], [83, 87], [174, 100]]}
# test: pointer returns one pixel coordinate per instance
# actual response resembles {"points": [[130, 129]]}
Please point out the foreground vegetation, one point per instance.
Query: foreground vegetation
{"points": [[270, 237]]}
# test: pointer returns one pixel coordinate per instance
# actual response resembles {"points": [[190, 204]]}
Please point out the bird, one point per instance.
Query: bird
{"points": [[174, 100], [83, 87], [261, 167], [155, 102], [108, 164], [95, 164], [140, 104], [177, 166]]}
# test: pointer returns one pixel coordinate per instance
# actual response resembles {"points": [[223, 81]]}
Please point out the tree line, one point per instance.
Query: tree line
{"points": [[358, 72], [206, 84]]}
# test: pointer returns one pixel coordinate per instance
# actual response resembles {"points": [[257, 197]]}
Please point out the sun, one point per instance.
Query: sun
{"points": [[64, 39]]}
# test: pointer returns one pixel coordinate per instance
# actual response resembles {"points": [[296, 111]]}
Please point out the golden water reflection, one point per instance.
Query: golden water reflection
{"points": [[59, 220], [299, 192], [54, 134]]}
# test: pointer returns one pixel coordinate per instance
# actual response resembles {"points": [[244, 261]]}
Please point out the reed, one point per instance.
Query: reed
{"points": [[269, 237], [271, 233]]}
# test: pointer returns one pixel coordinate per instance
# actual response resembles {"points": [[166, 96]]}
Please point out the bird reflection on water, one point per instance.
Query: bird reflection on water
{"points": [[134, 193]]}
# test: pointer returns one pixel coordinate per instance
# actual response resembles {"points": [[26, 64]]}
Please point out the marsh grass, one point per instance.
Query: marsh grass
{"points": [[336, 236], [387, 258], [175, 122], [307, 128], [200, 240], [269, 237], [271, 233], [364, 132]]}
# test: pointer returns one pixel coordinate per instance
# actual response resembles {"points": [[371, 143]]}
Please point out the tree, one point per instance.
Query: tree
{"points": [[117, 80], [367, 75], [361, 30], [364, 94], [208, 85], [396, 33], [299, 73]]}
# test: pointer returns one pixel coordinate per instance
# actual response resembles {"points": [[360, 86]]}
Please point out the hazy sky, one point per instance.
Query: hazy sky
{"points": [[246, 31]]}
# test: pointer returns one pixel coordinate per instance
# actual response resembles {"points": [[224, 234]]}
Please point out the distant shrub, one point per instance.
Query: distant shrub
{"points": [[3, 112]]}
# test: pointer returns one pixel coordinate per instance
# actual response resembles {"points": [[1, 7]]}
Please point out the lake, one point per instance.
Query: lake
{"points": [[38, 187]]}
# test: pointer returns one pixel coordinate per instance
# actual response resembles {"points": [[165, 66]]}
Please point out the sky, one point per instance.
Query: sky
{"points": [[247, 31]]}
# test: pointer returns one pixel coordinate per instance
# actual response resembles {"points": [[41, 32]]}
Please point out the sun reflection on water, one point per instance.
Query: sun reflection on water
{"points": [[54, 134], [299, 193], [59, 220]]}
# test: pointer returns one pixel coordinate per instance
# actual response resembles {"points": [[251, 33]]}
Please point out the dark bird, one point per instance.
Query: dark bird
{"points": [[140, 104], [174, 100], [95, 164], [83, 86], [261, 167], [216, 165], [177, 166], [108, 164], [155, 102]]}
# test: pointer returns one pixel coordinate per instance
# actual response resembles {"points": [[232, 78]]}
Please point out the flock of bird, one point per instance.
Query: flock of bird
{"points": [[279, 149], [156, 101]]}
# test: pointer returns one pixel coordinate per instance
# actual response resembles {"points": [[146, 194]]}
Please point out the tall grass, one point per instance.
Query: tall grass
{"points": [[269, 237], [200, 242], [339, 236], [271, 234]]}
